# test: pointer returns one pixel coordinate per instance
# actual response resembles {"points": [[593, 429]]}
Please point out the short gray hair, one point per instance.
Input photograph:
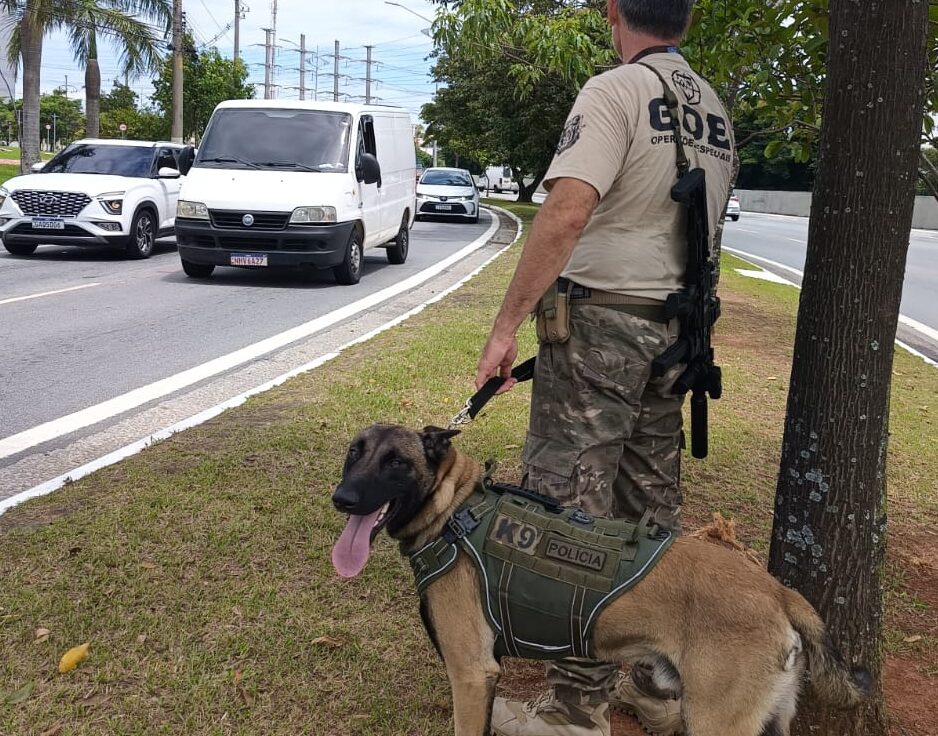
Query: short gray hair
{"points": [[661, 18]]}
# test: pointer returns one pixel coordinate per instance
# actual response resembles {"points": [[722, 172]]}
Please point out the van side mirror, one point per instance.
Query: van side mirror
{"points": [[37, 167], [369, 170], [185, 158]]}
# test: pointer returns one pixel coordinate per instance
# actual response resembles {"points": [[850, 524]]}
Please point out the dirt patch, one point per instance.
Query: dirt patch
{"points": [[910, 698]]}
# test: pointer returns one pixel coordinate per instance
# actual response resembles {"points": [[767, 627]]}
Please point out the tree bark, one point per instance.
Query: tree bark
{"points": [[829, 535], [92, 93], [30, 133]]}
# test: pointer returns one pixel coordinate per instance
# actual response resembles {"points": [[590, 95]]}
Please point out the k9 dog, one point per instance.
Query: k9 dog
{"points": [[718, 629]]}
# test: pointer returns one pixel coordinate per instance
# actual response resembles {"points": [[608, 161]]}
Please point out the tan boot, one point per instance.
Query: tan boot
{"points": [[658, 716], [548, 716]]}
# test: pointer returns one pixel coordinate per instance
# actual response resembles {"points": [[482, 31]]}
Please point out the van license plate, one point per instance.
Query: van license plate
{"points": [[44, 223], [248, 259], [444, 207]]}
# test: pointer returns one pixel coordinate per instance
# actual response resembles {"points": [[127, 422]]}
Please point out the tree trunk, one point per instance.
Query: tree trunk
{"points": [[829, 535], [30, 133], [526, 192], [92, 94]]}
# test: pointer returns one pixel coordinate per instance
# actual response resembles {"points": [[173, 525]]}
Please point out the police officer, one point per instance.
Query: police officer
{"points": [[604, 434]]}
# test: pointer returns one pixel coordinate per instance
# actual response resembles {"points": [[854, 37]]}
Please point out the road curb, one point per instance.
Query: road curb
{"points": [[509, 232]]}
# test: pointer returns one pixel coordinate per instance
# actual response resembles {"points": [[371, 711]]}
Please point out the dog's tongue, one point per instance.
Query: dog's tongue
{"points": [[351, 551]]}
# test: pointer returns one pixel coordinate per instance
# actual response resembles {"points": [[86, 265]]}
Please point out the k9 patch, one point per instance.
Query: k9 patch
{"points": [[515, 534]]}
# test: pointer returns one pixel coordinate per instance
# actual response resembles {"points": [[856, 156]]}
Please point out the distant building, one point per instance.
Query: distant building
{"points": [[7, 71]]}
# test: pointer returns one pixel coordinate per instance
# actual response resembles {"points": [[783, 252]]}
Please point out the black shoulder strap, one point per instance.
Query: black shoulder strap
{"points": [[683, 164]]}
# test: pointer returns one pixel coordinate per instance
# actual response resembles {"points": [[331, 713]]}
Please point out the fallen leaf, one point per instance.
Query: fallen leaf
{"points": [[329, 641], [912, 639], [773, 378], [919, 561], [512, 447], [42, 634], [142, 639], [54, 731], [147, 565], [73, 657], [18, 696]]}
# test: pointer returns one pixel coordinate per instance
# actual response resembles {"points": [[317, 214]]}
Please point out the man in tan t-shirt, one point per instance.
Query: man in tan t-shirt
{"points": [[604, 434]]}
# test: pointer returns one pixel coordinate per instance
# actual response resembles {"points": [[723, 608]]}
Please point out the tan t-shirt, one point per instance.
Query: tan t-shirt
{"points": [[619, 139]]}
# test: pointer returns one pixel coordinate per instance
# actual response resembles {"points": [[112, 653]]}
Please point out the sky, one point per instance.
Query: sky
{"points": [[400, 72]]}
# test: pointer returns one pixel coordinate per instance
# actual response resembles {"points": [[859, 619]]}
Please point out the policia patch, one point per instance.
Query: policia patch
{"points": [[546, 572], [571, 134]]}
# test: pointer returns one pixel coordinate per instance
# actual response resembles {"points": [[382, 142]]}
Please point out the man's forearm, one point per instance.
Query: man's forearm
{"points": [[553, 237]]}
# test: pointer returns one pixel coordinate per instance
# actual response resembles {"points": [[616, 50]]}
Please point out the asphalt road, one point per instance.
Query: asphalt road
{"points": [[783, 240], [80, 327]]}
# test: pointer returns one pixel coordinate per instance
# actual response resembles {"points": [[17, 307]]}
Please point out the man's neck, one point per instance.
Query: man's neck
{"points": [[634, 43]]}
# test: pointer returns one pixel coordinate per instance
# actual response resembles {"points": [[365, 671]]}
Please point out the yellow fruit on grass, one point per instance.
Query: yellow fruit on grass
{"points": [[73, 657]]}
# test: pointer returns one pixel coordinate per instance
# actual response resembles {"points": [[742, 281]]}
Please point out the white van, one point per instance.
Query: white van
{"points": [[499, 178], [291, 183]]}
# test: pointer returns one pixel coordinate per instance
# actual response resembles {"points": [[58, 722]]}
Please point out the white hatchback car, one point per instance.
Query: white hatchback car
{"points": [[116, 193], [448, 193]]}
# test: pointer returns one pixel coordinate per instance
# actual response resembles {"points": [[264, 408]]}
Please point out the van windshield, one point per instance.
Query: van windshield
{"points": [[284, 139]]}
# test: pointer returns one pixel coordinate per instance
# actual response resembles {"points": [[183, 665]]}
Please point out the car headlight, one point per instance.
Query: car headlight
{"points": [[191, 210], [422, 197], [468, 199], [112, 202], [4, 193], [312, 215]]}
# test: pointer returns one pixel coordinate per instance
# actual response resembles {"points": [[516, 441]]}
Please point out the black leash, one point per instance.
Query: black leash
{"points": [[521, 373]]}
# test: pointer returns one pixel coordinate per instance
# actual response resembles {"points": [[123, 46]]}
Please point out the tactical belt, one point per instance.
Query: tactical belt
{"points": [[546, 572], [644, 307]]}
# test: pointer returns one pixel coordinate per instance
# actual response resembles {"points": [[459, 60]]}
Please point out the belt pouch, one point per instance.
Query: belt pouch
{"points": [[552, 315]]}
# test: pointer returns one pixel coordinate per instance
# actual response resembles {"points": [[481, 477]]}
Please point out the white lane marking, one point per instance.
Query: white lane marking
{"points": [[132, 449], [764, 276], [46, 293], [92, 415], [746, 230], [907, 321]]}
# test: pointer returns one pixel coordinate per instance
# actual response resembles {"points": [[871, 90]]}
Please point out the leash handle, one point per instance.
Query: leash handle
{"points": [[521, 373]]}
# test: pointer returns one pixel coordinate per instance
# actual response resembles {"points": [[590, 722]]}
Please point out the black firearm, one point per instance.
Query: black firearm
{"points": [[697, 308]]}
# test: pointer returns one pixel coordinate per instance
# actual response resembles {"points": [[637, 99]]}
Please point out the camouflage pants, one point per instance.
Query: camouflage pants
{"points": [[605, 436]]}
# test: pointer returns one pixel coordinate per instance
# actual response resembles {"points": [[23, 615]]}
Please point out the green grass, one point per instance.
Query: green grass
{"points": [[199, 570]]}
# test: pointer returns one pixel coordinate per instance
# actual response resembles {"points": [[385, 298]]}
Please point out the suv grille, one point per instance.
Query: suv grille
{"points": [[262, 220], [58, 204]]}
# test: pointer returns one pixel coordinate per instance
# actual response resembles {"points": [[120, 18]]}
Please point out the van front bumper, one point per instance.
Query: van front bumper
{"points": [[320, 246]]}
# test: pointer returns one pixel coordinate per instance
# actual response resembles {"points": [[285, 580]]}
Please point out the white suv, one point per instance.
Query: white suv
{"points": [[95, 192]]}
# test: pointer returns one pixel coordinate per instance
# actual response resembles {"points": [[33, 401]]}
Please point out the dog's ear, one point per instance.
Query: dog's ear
{"points": [[436, 443]]}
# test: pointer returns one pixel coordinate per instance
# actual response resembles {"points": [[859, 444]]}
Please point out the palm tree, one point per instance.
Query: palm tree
{"points": [[124, 22], [33, 19]]}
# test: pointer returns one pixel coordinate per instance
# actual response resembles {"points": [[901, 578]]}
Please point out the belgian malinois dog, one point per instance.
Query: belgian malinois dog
{"points": [[737, 640]]}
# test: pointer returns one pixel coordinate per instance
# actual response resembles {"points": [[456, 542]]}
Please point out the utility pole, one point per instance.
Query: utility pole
{"points": [[237, 29], [268, 63], [273, 49], [66, 87], [177, 127], [316, 87], [335, 79], [302, 66], [368, 75]]}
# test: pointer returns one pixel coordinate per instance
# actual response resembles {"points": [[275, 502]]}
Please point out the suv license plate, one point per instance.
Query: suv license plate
{"points": [[43, 223], [248, 259], [444, 207]]}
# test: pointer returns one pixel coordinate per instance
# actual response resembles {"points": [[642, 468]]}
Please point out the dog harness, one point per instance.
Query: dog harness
{"points": [[545, 571]]}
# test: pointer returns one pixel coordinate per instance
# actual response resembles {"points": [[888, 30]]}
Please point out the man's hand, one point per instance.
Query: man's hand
{"points": [[498, 356]]}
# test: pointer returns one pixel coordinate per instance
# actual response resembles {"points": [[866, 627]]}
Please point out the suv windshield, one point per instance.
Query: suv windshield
{"points": [[446, 178], [284, 140], [95, 158]]}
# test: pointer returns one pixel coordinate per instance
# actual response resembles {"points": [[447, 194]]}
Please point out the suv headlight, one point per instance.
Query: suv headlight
{"points": [[4, 193], [312, 215], [112, 202], [191, 210]]}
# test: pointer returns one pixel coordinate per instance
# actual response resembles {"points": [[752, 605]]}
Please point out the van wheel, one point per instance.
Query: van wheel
{"points": [[142, 235], [197, 270], [349, 272], [397, 253]]}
